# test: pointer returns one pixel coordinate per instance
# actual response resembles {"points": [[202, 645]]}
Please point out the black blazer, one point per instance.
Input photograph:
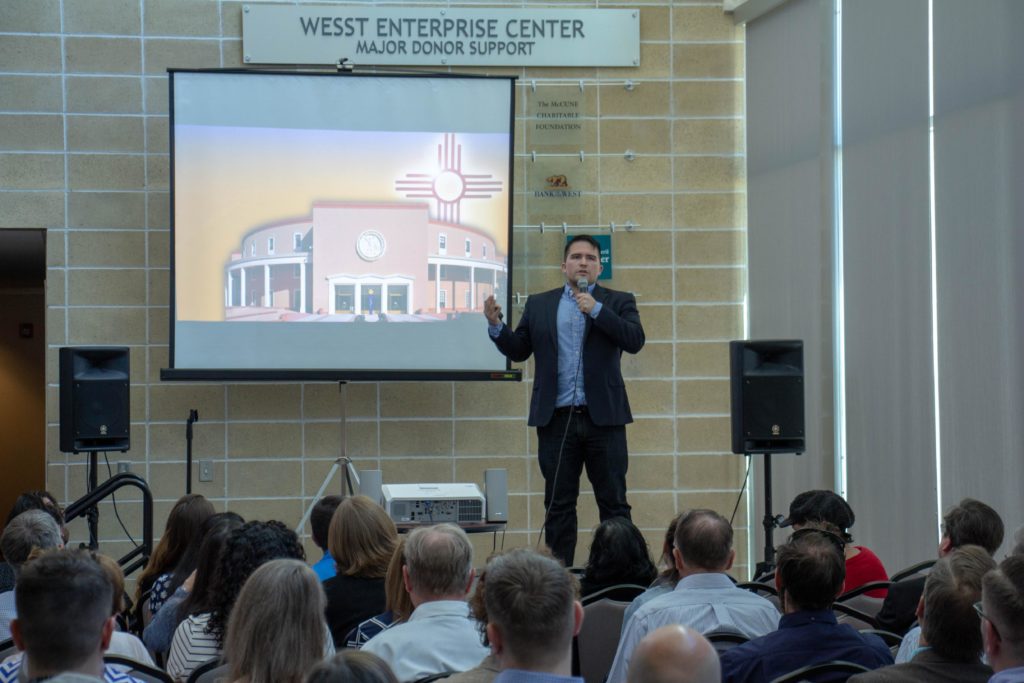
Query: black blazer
{"points": [[616, 329], [899, 611]]}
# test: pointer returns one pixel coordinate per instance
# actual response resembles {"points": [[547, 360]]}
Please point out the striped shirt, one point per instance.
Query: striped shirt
{"points": [[10, 668], [192, 646]]}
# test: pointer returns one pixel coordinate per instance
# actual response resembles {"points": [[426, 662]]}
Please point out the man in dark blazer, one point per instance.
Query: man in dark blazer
{"points": [[970, 522], [576, 334]]}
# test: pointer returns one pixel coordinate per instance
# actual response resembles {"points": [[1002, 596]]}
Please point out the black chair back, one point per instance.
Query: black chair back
{"points": [[138, 670], [827, 672]]}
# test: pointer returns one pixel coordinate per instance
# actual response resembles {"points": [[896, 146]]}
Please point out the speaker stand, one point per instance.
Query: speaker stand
{"points": [[92, 515], [769, 522]]}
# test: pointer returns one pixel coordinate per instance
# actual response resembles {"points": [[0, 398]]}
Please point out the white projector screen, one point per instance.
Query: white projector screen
{"points": [[338, 226]]}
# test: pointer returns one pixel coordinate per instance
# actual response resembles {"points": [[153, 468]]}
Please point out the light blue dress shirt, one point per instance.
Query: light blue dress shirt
{"points": [[572, 326], [520, 676], [704, 602], [439, 636]]}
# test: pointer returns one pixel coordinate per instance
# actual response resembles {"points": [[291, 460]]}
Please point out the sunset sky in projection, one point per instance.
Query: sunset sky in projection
{"points": [[229, 181]]}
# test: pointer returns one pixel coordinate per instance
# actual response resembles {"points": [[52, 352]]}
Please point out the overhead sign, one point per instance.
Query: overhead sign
{"points": [[360, 34]]}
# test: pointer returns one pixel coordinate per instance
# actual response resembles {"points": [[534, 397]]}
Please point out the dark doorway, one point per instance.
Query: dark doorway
{"points": [[22, 363]]}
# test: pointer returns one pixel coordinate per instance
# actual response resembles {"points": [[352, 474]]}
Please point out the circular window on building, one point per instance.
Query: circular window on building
{"points": [[370, 245]]}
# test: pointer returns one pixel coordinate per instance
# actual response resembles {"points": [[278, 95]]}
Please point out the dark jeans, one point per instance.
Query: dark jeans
{"points": [[602, 450]]}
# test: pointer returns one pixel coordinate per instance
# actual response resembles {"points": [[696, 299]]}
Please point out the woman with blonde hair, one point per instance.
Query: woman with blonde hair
{"points": [[276, 632], [398, 603], [352, 666], [361, 539]]}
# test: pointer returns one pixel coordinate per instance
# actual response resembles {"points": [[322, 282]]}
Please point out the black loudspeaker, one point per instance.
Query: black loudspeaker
{"points": [[94, 408], [767, 396]]}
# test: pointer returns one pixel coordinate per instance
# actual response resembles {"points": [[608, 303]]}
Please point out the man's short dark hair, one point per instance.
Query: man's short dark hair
{"points": [[811, 569], [580, 238], [320, 519], [971, 522], [529, 598], [63, 600], [951, 626], [704, 539], [1003, 591], [36, 500]]}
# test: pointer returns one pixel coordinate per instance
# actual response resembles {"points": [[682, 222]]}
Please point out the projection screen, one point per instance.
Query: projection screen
{"points": [[338, 226]]}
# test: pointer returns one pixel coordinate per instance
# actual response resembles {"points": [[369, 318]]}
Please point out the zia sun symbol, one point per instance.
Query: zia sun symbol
{"points": [[449, 186]]}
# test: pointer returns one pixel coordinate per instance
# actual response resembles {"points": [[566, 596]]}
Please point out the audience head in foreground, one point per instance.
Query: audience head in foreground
{"points": [[276, 632], [31, 530], [674, 654], [809, 576], [352, 666], [532, 612], [1002, 617], [440, 635], [64, 621], [950, 644]]}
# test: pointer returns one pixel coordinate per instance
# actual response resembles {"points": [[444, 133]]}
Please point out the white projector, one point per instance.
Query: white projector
{"points": [[433, 503]]}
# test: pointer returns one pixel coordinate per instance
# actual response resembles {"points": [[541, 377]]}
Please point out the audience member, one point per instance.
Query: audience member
{"points": [[161, 577], [618, 555], [398, 604], [667, 578], [532, 617], [320, 525], [809, 576], [674, 654], [31, 530], [705, 598], [1002, 619], [950, 643], [276, 632], [121, 643], [1018, 542], [195, 595], [487, 669], [831, 511], [440, 635], [362, 539], [30, 500], [352, 666], [65, 625], [970, 522], [199, 637]]}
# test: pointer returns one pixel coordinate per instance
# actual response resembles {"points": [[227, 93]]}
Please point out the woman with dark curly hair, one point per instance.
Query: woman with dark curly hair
{"points": [[200, 637], [618, 554]]}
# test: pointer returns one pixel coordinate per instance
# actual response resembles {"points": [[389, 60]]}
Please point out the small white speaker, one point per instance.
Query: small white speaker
{"points": [[369, 485], [496, 493]]}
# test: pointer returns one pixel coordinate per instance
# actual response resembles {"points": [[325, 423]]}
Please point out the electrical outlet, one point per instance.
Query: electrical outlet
{"points": [[124, 466], [205, 470]]}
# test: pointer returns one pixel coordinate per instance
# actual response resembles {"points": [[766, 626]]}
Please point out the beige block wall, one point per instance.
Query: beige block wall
{"points": [[84, 153]]}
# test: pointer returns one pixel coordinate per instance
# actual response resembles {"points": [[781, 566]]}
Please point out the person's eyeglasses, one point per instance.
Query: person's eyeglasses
{"points": [[978, 607]]}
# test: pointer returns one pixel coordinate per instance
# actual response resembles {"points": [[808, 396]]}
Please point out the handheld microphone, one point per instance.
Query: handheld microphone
{"points": [[581, 285]]}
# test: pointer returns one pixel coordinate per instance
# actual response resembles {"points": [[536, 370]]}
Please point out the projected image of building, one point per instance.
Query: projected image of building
{"points": [[351, 259]]}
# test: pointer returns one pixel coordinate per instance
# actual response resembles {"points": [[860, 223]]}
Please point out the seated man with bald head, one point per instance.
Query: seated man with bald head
{"points": [[705, 598], [674, 654]]}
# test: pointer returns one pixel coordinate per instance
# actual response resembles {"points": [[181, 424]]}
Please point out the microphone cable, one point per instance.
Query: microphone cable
{"points": [[581, 285]]}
